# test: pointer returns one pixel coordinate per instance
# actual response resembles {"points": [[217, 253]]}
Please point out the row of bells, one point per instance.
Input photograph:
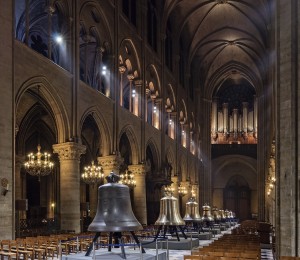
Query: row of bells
{"points": [[169, 212], [114, 211]]}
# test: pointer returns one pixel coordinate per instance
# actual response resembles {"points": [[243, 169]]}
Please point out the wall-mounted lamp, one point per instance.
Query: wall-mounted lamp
{"points": [[5, 186]]}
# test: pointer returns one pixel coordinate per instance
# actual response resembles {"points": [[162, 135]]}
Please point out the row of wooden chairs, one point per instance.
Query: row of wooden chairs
{"points": [[207, 257], [42, 247], [232, 254], [229, 247], [289, 258]]}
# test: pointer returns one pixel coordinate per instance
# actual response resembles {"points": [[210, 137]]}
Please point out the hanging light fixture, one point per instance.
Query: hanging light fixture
{"points": [[39, 164], [92, 174], [169, 190], [127, 178], [182, 191]]}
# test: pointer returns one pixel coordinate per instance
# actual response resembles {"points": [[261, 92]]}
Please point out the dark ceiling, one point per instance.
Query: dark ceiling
{"points": [[228, 40]]}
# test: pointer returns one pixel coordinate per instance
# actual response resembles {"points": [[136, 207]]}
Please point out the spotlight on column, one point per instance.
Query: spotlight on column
{"points": [[58, 39], [133, 93], [104, 70]]}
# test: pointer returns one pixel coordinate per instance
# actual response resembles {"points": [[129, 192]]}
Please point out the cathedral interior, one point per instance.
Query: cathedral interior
{"points": [[198, 95]]}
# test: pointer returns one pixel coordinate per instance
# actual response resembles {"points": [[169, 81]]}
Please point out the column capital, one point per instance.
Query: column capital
{"points": [[69, 150], [130, 77], [122, 68], [139, 169], [111, 162], [138, 82]]}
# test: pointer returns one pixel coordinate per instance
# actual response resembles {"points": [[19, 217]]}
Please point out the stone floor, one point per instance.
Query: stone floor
{"points": [[266, 251]]}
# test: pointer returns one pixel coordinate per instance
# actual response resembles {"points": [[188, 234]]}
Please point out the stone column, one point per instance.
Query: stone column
{"points": [[18, 177], [93, 198], [137, 100], [122, 69], [8, 107], [140, 204], [97, 77], [288, 131], [69, 157], [130, 78]]}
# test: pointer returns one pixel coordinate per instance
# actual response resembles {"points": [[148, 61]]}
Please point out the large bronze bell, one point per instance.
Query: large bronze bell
{"points": [[114, 212], [206, 213], [192, 211], [169, 212]]}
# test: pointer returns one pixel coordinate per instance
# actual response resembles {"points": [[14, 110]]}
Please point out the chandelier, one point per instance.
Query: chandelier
{"points": [[92, 174], [39, 164], [127, 178], [182, 191], [169, 190]]}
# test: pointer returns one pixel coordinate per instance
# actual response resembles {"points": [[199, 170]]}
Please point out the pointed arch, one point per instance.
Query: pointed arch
{"points": [[105, 133], [127, 129], [49, 93], [152, 76], [171, 159], [128, 51], [155, 153]]}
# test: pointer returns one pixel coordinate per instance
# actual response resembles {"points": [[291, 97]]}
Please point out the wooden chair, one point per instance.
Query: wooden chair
{"points": [[192, 257], [216, 253], [210, 257], [19, 248], [247, 255], [289, 258], [32, 245], [228, 258], [232, 254], [5, 250]]}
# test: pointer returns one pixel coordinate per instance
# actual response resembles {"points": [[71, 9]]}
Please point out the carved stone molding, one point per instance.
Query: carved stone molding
{"points": [[69, 150], [110, 161], [139, 169]]}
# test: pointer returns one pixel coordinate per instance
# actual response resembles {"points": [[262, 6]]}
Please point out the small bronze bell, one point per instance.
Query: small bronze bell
{"points": [[216, 214], [169, 212], [192, 211], [206, 213], [222, 214]]}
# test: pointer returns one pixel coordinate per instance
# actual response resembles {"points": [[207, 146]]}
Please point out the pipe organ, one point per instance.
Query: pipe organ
{"points": [[238, 126]]}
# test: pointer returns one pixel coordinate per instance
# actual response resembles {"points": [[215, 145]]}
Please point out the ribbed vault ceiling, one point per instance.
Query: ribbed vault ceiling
{"points": [[229, 39]]}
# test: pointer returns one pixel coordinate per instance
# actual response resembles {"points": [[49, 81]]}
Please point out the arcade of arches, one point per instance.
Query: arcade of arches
{"points": [[195, 94]]}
